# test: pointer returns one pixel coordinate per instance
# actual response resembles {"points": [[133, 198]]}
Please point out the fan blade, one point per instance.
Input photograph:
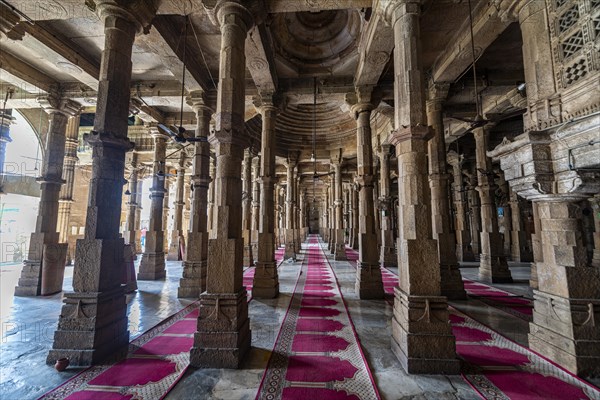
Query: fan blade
{"points": [[196, 139], [168, 130]]}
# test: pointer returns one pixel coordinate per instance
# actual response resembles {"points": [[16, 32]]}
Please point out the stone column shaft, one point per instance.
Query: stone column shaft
{"points": [[256, 196], [193, 282], [247, 207], [452, 284], [66, 194], [464, 250], [368, 273], [266, 281], [493, 266], [339, 249], [421, 335], [43, 271], [290, 246], [387, 255], [177, 232], [152, 265], [518, 241], [223, 336], [355, 217], [130, 223], [138, 214], [93, 320], [474, 211], [595, 203]]}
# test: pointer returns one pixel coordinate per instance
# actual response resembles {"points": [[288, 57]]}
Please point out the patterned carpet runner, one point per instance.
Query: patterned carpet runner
{"points": [[156, 360], [508, 302], [317, 354], [500, 369]]}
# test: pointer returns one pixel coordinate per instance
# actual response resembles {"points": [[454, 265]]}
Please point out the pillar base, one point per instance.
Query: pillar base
{"points": [[30, 281], [223, 336], [193, 282], [92, 326], [422, 338], [369, 284], [290, 248], [152, 267], [564, 331], [493, 266], [339, 248], [266, 281], [388, 257], [174, 250]]}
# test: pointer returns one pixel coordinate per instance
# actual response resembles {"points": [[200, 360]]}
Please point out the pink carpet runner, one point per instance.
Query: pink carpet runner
{"points": [[155, 363], [498, 368], [508, 302], [317, 354]]}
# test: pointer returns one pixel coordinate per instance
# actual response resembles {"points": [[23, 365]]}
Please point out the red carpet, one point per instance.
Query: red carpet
{"points": [[156, 361], [498, 368], [498, 298], [317, 354]]}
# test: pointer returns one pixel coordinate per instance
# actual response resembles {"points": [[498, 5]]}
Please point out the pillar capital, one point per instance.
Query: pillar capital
{"points": [[201, 101], [394, 9], [404, 133], [54, 103], [437, 92], [140, 13], [231, 12], [268, 102]]}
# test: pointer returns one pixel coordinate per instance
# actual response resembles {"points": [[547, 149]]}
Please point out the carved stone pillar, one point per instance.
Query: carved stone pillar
{"points": [[175, 253], [152, 265], [536, 245], [355, 217], [464, 250], [331, 244], [165, 211], [290, 247], [255, 207], [266, 281], [130, 233], [492, 264], [421, 334], [452, 284], [339, 249], [223, 336], [518, 241], [6, 120], [44, 269], [387, 255], [93, 320], [187, 210], [211, 195], [595, 203], [297, 240], [325, 226], [138, 215], [65, 199], [193, 282], [474, 209], [247, 207], [368, 273]]}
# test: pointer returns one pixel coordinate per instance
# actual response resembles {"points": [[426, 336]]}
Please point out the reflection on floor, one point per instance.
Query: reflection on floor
{"points": [[27, 332]]}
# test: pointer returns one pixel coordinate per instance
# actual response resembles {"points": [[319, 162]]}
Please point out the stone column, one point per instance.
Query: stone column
{"points": [[567, 303], [152, 265], [247, 193], [255, 207], [387, 255], [130, 234], [421, 335], [223, 336], [193, 282], [518, 241], [474, 210], [44, 269], [165, 210], [355, 216], [463, 234], [297, 240], [452, 284], [339, 249], [368, 273], [536, 244], [595, 203], [138, 214], [331, 245], [266, 281], [174, 253], [187, 210], [93, 320], [347, 215], [290, 247], [493, 266], [211, 195], [65, 199], [325, 227], [6, 120]]}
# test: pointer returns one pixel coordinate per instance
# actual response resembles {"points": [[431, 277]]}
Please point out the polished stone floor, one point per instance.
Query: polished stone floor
{"points": [[28, 326]]}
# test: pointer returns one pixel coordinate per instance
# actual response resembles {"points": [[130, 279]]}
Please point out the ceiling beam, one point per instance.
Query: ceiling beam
{"points": [[24, 73], [260, 60], [282, 6], [375, 48]]}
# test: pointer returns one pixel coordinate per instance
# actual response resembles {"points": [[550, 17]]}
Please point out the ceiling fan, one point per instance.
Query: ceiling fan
{"points": [[178, 133], [478, 121]]}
